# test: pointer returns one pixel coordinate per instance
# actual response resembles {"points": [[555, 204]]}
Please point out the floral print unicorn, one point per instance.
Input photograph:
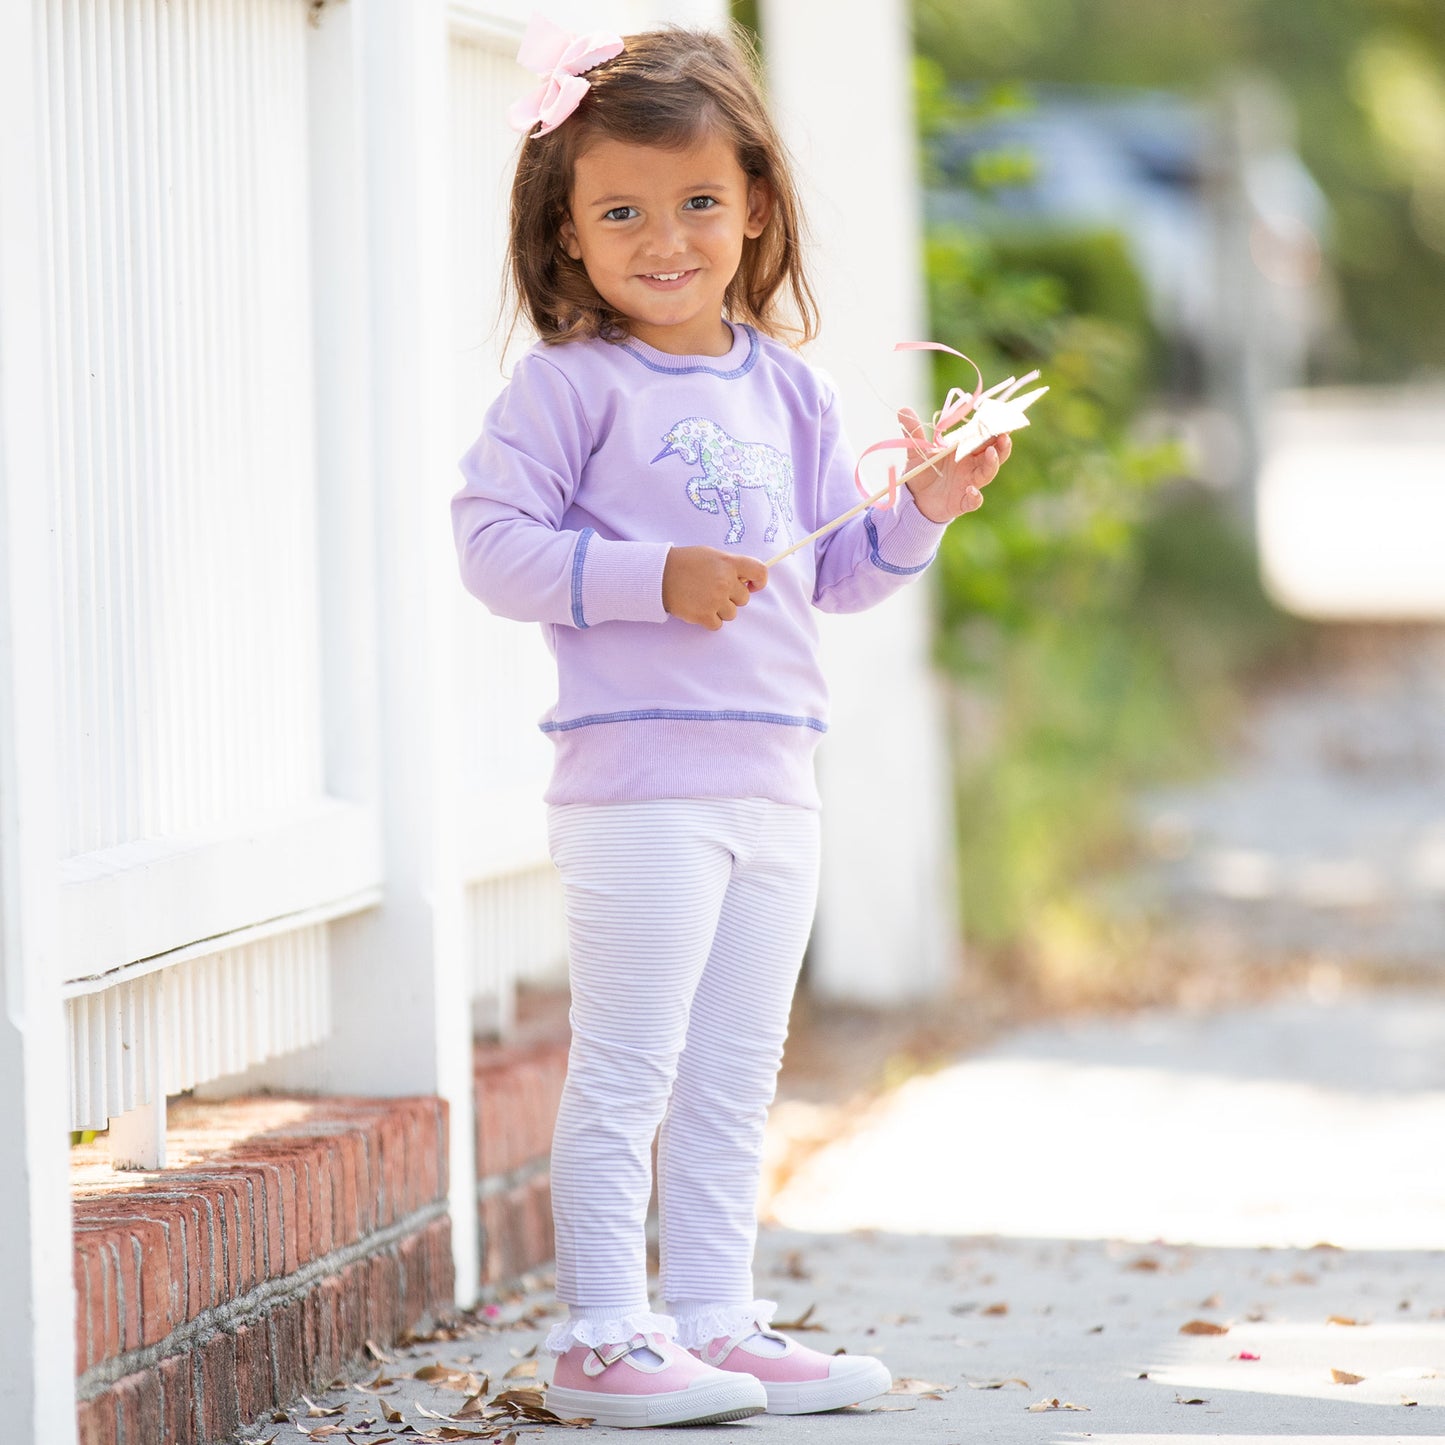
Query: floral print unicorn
{"points": [[728, 467]]}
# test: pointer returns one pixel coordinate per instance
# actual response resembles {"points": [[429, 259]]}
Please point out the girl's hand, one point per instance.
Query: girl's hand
{"points": [[705, 586], [952, 488]]}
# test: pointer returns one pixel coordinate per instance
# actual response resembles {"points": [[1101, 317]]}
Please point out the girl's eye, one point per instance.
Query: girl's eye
{"points": [[699, 203], [619, 213]]}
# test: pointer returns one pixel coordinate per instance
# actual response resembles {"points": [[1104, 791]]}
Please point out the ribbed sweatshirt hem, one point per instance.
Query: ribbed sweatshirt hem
{"points": [[631, 759]]}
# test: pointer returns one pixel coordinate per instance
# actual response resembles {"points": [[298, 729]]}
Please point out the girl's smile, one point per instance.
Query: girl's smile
{"points": [[660, 234]]}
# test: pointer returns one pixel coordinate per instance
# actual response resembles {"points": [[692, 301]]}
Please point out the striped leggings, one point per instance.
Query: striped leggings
{"points": [[687, 920]]}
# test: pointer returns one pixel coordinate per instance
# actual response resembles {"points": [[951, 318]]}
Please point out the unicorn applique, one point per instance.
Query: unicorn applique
{"points": [[728, 467]]}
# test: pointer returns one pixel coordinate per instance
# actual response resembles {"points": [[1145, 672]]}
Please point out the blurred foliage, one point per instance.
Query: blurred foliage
{"points": [[1098, 615], [1071, 305], [1075, 486], [1064, 719], [1366, 79]]}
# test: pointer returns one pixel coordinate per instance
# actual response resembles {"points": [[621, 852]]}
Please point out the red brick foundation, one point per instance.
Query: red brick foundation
{"points": [[286, 1234], [518, 1085]]}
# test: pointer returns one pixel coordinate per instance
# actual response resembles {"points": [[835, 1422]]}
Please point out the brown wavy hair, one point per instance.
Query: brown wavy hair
{"points": [[668, 88]]}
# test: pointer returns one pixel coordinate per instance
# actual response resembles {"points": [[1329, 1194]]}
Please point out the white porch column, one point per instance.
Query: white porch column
{"points": [[401, 991], [842, 94], [37, 1321]]}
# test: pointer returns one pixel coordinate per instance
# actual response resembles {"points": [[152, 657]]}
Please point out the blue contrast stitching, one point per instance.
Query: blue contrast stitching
{"points": [[877, 560], [578, 557], [679, 714], [742, 370]]}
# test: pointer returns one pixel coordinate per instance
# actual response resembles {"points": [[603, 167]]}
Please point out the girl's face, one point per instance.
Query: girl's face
{"points": [[660, 233]]}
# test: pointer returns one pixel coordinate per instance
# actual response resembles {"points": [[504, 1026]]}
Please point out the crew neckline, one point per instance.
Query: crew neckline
{"points": [[736, 361]]}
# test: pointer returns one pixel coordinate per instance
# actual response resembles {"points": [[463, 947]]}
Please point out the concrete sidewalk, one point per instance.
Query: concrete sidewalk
{"points": [[993, 1231]]}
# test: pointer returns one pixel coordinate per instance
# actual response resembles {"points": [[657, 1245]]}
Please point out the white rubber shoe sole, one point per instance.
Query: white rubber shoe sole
{"points": [[710, 1402], [851, 1387]]}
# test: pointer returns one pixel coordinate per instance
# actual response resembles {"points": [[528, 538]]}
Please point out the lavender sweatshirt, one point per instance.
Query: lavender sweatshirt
{"points": [[596, 459]]}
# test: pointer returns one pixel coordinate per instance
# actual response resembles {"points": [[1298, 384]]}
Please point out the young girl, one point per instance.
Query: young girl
{"points": [[657, 441]]}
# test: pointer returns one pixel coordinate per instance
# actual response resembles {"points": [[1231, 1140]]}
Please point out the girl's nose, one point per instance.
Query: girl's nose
{"points": [[665, 236]]}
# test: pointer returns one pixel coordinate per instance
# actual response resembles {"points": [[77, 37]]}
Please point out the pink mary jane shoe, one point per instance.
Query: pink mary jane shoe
{"points": [[649, 1381], [797, 1380]]}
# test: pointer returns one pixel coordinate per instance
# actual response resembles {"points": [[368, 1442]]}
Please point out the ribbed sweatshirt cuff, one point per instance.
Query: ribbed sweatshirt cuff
{"points": [[617, 581], [907, 540]]}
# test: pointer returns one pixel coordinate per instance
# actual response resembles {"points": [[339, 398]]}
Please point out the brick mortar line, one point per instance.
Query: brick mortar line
{"points": [[495, 1184], [252, 1305]]}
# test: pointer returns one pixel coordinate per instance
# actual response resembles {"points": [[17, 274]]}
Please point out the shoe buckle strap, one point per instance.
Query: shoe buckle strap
{"points": [[714, 1354], [602, 1357], [715, 1357]]}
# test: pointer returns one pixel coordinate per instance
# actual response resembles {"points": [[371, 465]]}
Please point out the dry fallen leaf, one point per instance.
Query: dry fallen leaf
{"points": [[1192, 1400], [1343, 1377], [803, 1322], [1055, 1404], [998, 1384], [375, 1386], [1203, 1327], [475, 1408], [528, 1404], [378, 1354], [463, 1381], [995, 1309], [1342, 1320], [920, 1387], [392, 1416], [1405, 1400], [321, 1412], [430, 1414], [527, 1370], [1145, 1263]]}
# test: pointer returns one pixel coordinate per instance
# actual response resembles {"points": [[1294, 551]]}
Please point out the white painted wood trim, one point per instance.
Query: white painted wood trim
{"points": [[143, 900], [37, 1322], [486, 22], [338, 908]]}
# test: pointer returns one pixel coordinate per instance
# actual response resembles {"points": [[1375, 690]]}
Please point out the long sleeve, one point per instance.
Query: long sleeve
{"points": [[873, 555], [524, 548]]}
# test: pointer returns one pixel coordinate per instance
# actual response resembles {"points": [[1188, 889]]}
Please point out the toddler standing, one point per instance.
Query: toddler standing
{"points": [[657, 440]]}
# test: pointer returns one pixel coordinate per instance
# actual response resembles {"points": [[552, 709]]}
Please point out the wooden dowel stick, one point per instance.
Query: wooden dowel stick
{"points": [[861, 507]]}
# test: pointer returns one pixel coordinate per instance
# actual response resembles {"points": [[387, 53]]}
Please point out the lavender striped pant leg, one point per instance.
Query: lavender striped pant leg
{"points": [[662, 898], [710, 1147]]}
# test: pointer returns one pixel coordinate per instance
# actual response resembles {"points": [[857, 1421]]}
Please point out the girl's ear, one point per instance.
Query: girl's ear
{"points": [[567, 234], [760, 208]]}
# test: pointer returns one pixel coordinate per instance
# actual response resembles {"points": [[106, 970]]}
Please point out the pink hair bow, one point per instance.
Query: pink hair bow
{"points": [[560, 58]]}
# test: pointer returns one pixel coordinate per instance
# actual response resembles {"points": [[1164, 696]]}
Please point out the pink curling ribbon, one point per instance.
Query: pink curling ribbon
{"points": [[956, 406], [560, 58]]}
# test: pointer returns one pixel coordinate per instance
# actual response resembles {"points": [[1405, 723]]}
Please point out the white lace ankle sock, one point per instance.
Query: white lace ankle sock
{"points": [[575, 1312], [685, 1310]]}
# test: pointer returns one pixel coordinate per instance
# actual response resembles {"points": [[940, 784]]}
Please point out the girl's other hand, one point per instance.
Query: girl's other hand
{"points": [[706, 586], [952, 488]]}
